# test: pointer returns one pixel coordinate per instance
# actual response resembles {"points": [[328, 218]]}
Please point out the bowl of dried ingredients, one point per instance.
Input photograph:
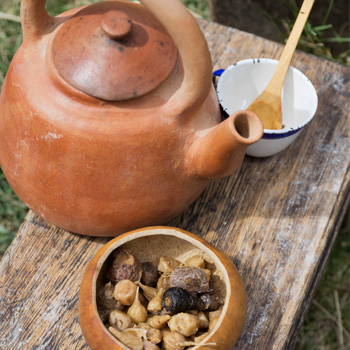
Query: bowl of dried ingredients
{"points": [[161, 288]]}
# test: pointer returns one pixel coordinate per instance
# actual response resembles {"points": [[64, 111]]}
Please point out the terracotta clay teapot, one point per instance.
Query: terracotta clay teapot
{"points": [[108, 117]]}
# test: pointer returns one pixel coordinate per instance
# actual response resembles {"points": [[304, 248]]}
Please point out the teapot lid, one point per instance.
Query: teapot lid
{"points": [[114, 51]]}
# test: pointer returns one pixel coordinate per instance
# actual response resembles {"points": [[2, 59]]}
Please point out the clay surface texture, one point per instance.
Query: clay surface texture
{"points": [[127, 130]]}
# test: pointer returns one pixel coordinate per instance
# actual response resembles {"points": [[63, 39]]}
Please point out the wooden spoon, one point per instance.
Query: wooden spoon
{"points": [[268, 105]]}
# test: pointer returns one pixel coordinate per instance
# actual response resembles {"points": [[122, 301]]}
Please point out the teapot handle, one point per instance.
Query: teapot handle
{"points": [[193, 49], [35, 20]]}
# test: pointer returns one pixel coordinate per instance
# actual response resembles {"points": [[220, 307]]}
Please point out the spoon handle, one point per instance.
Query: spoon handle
{"points": [[279, 75]]}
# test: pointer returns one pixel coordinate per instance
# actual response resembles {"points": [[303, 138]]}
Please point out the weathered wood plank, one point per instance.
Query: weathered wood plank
{"points": [[39, 287], [276, 218]]}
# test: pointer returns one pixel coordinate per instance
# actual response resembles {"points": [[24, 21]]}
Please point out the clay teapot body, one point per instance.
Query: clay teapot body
{"points": [[108, 117]]}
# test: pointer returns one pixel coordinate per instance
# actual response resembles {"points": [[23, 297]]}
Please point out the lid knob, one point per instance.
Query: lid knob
{"points": [[116, 24]]}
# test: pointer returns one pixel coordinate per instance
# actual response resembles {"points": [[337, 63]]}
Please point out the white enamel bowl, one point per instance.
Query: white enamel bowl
{"points": [[240, 84]]}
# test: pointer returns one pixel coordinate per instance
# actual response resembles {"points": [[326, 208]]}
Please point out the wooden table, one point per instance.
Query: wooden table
{"points": [[276, 217]]}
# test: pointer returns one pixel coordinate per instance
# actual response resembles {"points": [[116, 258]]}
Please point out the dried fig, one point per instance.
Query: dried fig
{"points": [[150, 274], [105, 301], [211, 300], [177, 300], [125, 266], [193, 279]]}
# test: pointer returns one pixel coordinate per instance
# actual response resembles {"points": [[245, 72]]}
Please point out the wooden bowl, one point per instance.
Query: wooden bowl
{"points": [[149, 244]]}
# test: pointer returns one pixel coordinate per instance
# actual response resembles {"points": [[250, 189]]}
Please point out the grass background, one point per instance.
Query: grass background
{"points": [[327, 326]]}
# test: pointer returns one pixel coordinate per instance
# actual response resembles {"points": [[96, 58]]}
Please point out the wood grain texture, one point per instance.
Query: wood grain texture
{"points": [[278, 232]]}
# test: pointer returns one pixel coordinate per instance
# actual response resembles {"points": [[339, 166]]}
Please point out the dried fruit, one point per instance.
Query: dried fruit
{"points": [[153, 335], [158, 321], [177, 300], [148, 292], [184, 323], [176, 341], [120, 320], [213, 314], [180, 288], [207, 273], [137, 311], [150, 274], [163, 282], [125, 292], [193, 279], [211, 300], [108, 290], [203, 320], [167, 264], [150, 346], [213, 323], [196, 261], [105, 301], [125, 266], [143, 299], [155, 305], [173, 341], [130, 337]]}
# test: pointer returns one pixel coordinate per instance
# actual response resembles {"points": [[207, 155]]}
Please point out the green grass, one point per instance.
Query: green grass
{"points": [[198, 7], [12, 213], [316, 39], [327, 326]]}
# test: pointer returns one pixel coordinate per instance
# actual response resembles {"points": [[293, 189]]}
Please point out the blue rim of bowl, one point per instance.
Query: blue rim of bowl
{"points": [[272, 134], [268, 133]]}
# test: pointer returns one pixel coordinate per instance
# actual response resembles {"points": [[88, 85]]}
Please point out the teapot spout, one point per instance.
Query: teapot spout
{"points": [[221, 151]]}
